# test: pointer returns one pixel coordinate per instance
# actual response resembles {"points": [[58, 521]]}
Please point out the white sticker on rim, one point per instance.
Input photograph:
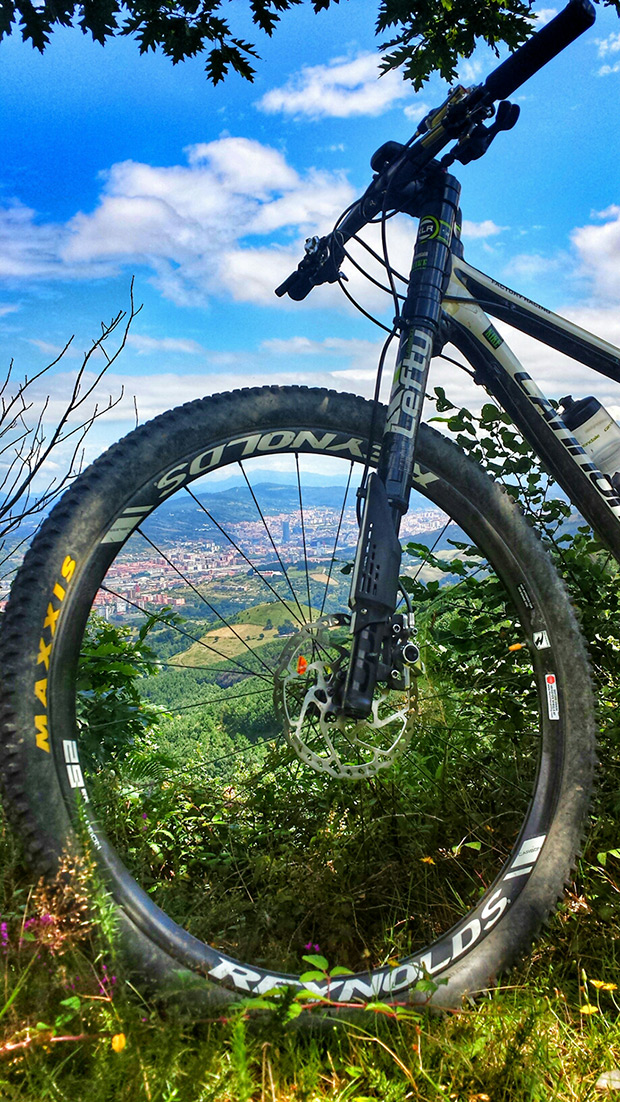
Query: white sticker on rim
{"points": [[541, 640], [553, 702]]}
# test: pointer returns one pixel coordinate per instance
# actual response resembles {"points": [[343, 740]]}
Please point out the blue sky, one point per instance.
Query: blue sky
{"points": [[114, 165]]}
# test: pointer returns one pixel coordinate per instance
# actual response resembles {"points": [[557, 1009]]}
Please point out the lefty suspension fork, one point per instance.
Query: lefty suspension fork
{"points": [[375, 581]]}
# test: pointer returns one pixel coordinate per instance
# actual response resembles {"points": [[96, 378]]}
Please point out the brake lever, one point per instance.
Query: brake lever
{"points": [[476, 143], [321, 264]]}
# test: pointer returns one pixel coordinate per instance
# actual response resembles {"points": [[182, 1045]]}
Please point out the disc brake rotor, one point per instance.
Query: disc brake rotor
{"points": [[311, 666]]}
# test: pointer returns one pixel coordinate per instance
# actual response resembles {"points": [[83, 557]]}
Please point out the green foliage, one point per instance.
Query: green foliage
{"points": [[426, 36], [592, 577], [432, 35], [112, 716]]}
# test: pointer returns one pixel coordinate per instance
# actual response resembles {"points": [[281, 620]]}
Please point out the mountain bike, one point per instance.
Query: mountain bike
{"points": [[372, 758]]}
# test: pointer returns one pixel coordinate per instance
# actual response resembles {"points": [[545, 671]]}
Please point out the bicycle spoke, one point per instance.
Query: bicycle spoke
{"points": [[235, 545], [332, 557], [303, 534], [271, 540]]}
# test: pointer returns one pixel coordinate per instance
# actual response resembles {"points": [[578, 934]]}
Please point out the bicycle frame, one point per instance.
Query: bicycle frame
{"points": [[500, 372], [444, 303]]}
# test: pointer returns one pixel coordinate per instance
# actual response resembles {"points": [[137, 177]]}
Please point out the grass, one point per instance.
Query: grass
{"points": [[70, 1027], [69, 1022], [247, 631]]}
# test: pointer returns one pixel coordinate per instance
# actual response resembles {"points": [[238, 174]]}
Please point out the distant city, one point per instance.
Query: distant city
{"points": [[144, 577], [180, 551]]}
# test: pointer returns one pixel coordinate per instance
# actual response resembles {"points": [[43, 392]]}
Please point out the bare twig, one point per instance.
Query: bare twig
{"points": [[25, 447]]}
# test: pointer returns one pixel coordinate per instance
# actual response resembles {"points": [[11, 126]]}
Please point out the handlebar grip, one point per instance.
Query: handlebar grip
{"points": [[575, 18], [283, 288], [297, 286]]}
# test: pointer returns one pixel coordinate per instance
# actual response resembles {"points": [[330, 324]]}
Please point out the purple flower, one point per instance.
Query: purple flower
{"points": [[4, 934], [310, 947]]}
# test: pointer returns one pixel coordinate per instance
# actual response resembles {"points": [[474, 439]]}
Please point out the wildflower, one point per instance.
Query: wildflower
{"points": [[602, 986], [427, 860], [4, 935], [587, 1008], [118, 1042], [310, 947]]}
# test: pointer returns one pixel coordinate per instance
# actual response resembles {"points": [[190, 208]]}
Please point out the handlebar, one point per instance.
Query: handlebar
{"points": [[460, 118], [554, 37]]}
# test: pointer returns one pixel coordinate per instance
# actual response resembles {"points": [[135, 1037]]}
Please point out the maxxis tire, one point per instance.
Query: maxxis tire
{"points": [[49, 606]]}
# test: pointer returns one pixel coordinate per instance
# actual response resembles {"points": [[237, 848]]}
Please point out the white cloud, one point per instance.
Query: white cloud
{"points": [[534, 265], [471, 71], [598, 249], [8, 308], [229, 223], [605, 70], [545, 15], [244, 166], [292, 346], [145, 346], [188, 223], [333, 362], [481, 229], [590, 267], [602, 320], [610, 45], [417, 111], [52, 351], [363, 355], [24, 247], [340, 89], [251, 275]]}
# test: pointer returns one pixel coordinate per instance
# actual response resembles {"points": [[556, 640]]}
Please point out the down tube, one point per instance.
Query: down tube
{"points": [[501, 373]]}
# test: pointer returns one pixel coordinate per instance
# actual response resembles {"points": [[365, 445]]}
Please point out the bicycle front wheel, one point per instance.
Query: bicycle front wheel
{"points": [[237, 826]]}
